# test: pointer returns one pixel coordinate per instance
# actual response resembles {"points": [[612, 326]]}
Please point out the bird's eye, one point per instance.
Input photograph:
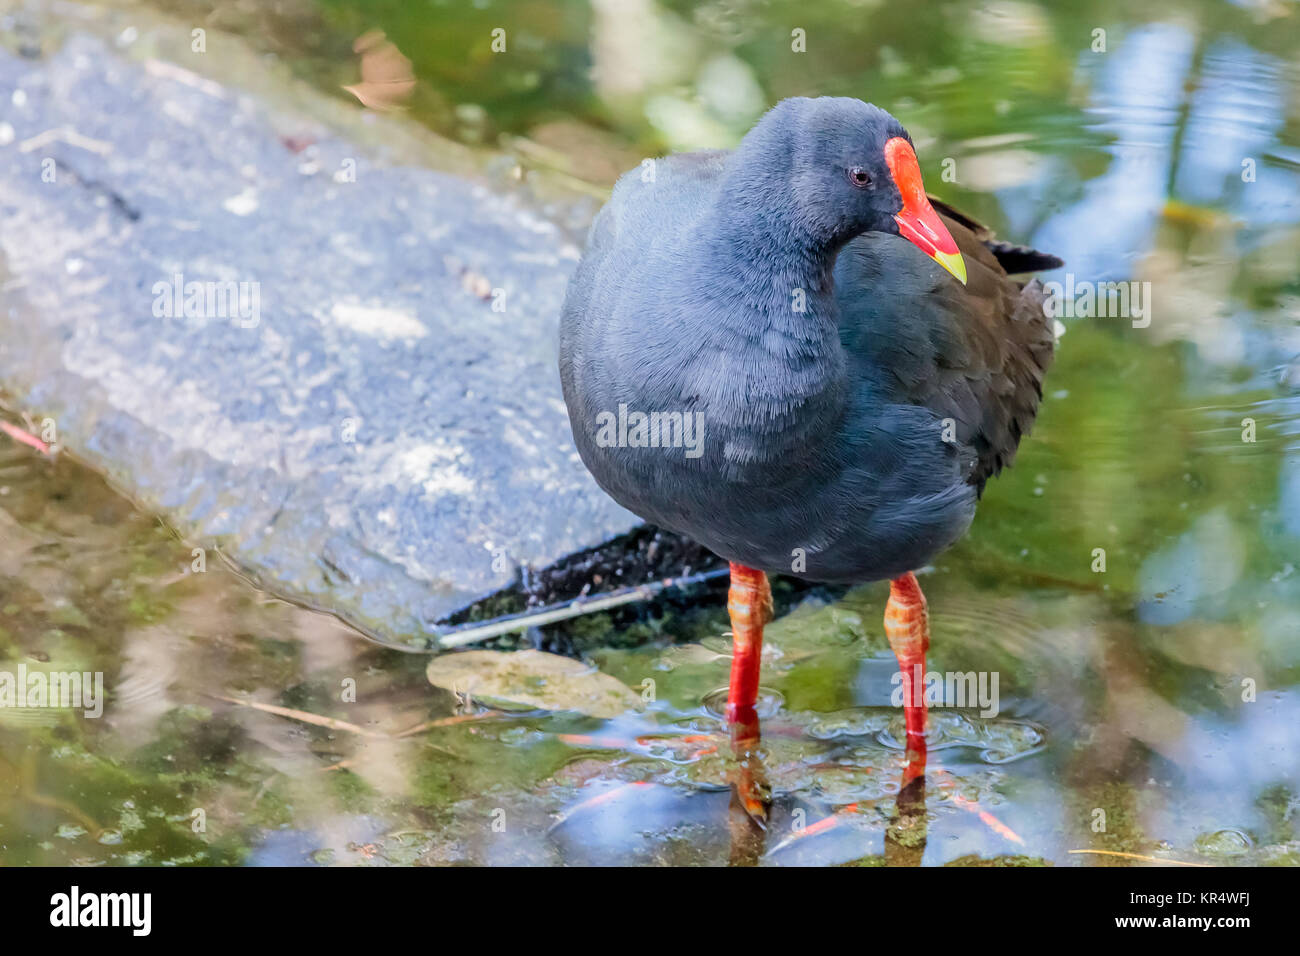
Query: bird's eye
{"points": [[859, 176]]}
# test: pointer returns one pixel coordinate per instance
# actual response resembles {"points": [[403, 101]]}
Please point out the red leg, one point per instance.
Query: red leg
{"points": [[907, 624], [750, 605]]}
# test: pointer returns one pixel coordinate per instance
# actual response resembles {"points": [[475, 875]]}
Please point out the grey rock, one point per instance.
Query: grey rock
{"points": [[370, 436]]}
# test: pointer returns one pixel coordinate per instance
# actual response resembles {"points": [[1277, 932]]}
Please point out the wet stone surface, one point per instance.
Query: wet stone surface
{"points": [[363, 409]]}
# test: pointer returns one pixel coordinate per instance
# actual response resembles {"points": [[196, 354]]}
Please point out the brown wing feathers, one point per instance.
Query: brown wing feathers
{"points": [[1008, 346]]}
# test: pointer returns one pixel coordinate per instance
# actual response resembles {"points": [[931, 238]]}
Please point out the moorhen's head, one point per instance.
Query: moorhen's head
{"points": [[841, 167]]}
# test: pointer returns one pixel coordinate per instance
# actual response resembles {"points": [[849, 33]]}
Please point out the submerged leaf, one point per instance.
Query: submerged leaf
{"points": [[532, 679]]}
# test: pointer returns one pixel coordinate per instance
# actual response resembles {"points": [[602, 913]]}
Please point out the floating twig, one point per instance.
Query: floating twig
{"points": [[595, 801], [24, 437], [1139, 856], [444, 722], [332, 723]]}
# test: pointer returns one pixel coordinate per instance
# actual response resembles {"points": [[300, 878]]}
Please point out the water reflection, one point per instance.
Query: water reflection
{"points": [[214, 690]]}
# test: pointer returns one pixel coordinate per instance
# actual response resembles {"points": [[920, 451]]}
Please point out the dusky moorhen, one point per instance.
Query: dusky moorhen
{"points": [[792, 355]]}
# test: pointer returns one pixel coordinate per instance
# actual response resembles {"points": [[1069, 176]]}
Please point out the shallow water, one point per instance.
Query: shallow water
{"points": [[1151, 708]]}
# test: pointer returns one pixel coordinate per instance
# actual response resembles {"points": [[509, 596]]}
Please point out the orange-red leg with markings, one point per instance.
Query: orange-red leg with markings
{"points": [[749, 604], [907, 624]]}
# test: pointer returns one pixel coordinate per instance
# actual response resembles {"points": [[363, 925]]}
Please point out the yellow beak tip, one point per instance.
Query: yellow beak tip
{"points": [[954, 263]]}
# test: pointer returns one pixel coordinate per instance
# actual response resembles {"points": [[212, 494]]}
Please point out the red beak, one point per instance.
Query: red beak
{"points": [[917, 220]]}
